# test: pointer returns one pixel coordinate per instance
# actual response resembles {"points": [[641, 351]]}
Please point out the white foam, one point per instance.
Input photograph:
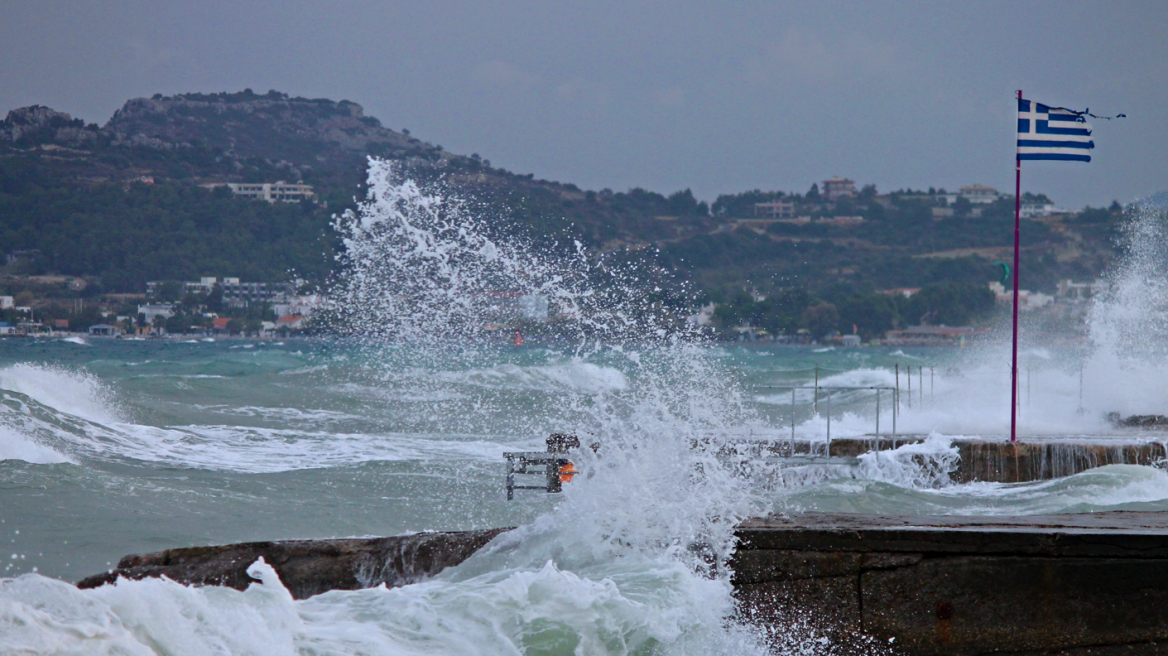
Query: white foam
{"points": [[17, 446], [76, 393]]}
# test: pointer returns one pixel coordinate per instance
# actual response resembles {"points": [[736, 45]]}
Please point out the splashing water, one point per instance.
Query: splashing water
{"points": [[654, 514]]}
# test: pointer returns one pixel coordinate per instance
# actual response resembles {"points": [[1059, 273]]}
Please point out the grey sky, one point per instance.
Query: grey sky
{"points": [[718, 97]]}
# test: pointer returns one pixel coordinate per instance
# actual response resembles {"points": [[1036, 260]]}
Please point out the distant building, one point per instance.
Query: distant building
{"points": [[303, 305], [1073, 293], [842, 221], [932, 335], [269, 191], [102, 330], [7, 303], [219, 325], [60, 324], [235, 292], [838, 187], [1027, 300], [775, 210], [1039, 210], [291, 322], [976, 194], [151, 310], [906, 292]]}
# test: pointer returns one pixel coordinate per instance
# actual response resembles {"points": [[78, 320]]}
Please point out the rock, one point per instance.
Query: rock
{"points": [[308, 567]]}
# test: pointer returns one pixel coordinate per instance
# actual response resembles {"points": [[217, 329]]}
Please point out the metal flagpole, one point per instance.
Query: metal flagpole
{"points": [[1017, 243]]}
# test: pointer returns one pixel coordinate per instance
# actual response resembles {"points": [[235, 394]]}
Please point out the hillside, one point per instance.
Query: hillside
{"points": [[119, 204]]}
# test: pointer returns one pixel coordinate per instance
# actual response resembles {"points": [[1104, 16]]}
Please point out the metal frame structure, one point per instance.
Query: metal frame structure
{"points": [[827, 399], [518, 462]]}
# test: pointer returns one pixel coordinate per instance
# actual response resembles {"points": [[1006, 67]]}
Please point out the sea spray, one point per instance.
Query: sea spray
{"points": [[654, 511]]}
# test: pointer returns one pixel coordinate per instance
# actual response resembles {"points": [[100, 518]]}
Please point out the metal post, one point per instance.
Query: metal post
{"points": [[877, 414], [1028, 385], [827, 445], [816, 388], [896, 397], [921, 385], [908, 377], [895, 403], [932, 387], [792, 421], [1017, 246]]}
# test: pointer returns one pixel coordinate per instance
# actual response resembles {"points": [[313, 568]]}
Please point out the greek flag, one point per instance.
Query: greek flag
{"points": [[1052, 133]]}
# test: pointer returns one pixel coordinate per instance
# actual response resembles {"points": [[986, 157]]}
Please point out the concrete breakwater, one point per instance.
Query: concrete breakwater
{"points": [[308, 567], [998, 461], [927, 586]]}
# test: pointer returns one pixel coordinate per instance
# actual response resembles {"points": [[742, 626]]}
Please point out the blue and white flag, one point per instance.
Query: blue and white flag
{"points": [[1052, 133]]}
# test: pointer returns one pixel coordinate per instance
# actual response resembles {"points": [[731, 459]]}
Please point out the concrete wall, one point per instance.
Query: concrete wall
{"points": [[959, 589]]}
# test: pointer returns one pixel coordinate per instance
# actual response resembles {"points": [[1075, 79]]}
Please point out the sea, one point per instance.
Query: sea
{"points": [[116, 446]]}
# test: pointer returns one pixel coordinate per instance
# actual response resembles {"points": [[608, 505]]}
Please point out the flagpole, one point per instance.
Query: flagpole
{"points": [[1017, 243]]}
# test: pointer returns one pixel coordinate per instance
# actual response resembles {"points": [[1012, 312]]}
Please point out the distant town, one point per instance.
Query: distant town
{"points": [[228, 306]]}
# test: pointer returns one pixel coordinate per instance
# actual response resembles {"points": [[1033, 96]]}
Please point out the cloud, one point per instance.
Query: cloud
{"points": [[669, 97], [581, 91], [498, 73], [807, 56]]}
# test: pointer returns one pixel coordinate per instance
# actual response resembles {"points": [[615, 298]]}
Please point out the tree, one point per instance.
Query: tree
{"points": [[813, 193], [821, 319], [214, 300], [235, 326], [159, 322], [169, 292], [949, 304]]}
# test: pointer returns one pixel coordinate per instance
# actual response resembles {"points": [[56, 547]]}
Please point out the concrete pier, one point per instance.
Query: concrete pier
{"points": [[999, 461], [1078, 585], [932, 586]]}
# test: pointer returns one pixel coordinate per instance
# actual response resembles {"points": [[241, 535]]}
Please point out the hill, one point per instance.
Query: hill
{"points": [[120, 204]]}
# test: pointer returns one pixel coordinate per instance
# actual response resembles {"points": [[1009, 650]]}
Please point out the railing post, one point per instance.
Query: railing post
{"points": [[792, 422], [827, 445], [816, 402], [896, 395]]}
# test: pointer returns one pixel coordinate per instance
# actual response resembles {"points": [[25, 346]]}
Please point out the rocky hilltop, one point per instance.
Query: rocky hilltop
{"points": [[215, 135]]}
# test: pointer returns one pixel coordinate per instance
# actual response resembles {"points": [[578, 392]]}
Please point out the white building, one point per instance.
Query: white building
{"points": [[1077, 292], [7, 303], [303, 305], [775, 210], [1038, 210], [1027, 300], [838, 187], [165, 310], [976, 194], [269, 191]]}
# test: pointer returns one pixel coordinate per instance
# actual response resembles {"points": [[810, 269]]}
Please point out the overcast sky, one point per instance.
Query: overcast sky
{"points": [[719, 97]]}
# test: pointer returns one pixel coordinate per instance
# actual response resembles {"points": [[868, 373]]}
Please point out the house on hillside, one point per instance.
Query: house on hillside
{"points": [[270, 191], [290, 322], [775, 210], [838, 187]]}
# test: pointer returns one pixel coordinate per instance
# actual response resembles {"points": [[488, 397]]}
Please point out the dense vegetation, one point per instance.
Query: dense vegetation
{"points": [[124, 236], [71, 194]]}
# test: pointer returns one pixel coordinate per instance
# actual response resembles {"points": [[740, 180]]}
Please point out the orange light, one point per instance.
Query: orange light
{"points": [[567, 472]]}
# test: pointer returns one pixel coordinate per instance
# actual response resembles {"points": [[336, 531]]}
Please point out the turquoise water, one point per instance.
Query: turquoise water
{"points": [[109, 447], [117, 446]]}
